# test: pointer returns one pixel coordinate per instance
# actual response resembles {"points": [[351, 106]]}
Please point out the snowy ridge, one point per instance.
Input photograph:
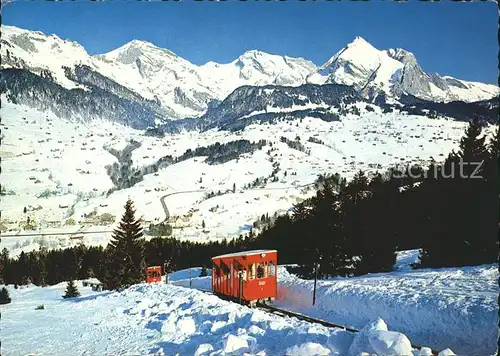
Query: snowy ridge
{"points": [[38, 52], [186, 90]]}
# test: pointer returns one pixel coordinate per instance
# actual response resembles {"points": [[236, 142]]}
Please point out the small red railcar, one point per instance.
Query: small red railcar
{"points": [[248, 277], [153, 274]]}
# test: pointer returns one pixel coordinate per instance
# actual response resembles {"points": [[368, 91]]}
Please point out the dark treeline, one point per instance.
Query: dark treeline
{"points": [[217, 153], [449, 210]]}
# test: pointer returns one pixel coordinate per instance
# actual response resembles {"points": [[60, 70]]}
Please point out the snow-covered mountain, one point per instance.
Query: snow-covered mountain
{"points": [[394, 72], [159, 84], [50, 87]]}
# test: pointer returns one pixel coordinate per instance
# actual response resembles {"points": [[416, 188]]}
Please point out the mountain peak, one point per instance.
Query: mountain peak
{"points": [[144, 46], [359, 42], [139, 43], [131, 51], [253, 53], [359, 50]]}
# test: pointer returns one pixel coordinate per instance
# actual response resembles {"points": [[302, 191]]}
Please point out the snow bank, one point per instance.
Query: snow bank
{"points": [[450, 307], [375, 338], [155, 318], [453, 308], [308, 349], [190, 278], [405, 259]]}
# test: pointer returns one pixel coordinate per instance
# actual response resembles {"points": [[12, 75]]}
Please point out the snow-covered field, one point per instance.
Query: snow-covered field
{"points": [[154, 319], [56, 169], [447, 308]]}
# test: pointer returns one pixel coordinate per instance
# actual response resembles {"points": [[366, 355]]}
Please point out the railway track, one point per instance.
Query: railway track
{"points": [[283, 312], [287, 313]]}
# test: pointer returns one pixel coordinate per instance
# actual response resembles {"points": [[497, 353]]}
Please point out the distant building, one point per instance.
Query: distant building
{"points": [[94, 283]]}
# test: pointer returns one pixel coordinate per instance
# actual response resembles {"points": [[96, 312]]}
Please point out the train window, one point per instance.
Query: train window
{"points": [[251, 271], [261, 270], [272, 269], [153, 274], [225, 269], [217, 270]]}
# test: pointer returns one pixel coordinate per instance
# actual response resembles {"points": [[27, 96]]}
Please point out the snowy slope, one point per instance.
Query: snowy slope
{"points": [[440, 308], [37, 52], [154, 319], [160, 74], [449, 307]]}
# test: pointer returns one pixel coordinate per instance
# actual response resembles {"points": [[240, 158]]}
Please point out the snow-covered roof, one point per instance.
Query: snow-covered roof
{"points": [[92, 281], [245, 253]]}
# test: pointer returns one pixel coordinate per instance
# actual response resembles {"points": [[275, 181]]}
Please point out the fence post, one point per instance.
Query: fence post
{"points": [[315, 280]]}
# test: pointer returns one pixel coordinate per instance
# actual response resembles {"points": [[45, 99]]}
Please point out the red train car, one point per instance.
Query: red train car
{"points": [[153, 274], [248, 277]]}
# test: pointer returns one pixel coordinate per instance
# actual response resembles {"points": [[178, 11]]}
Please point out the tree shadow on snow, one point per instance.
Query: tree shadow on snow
{"points": [[88, 297]]}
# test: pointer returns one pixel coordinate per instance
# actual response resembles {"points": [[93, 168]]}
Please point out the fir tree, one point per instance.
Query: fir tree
{"points": [[4, 269], [22, 272], [203, 272], [71, 290], [125, 263], [472, 145], [465, 206], [492, 161], [4, 296], [203, 224]]}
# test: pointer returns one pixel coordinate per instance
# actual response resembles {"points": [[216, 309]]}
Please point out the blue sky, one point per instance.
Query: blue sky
{"points": [[457, 39]]}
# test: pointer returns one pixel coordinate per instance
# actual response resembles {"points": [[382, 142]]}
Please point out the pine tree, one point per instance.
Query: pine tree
{"points": [[22, 272], [492, 161], [71, 290], [25, 210], [125, 263], [203, 224], [203, 272], [4, 269], [465, 206], [472, 145], [4, 296]]}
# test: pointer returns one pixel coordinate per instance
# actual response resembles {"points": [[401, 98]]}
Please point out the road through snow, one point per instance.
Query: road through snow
{"points": [[167, 213]]}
